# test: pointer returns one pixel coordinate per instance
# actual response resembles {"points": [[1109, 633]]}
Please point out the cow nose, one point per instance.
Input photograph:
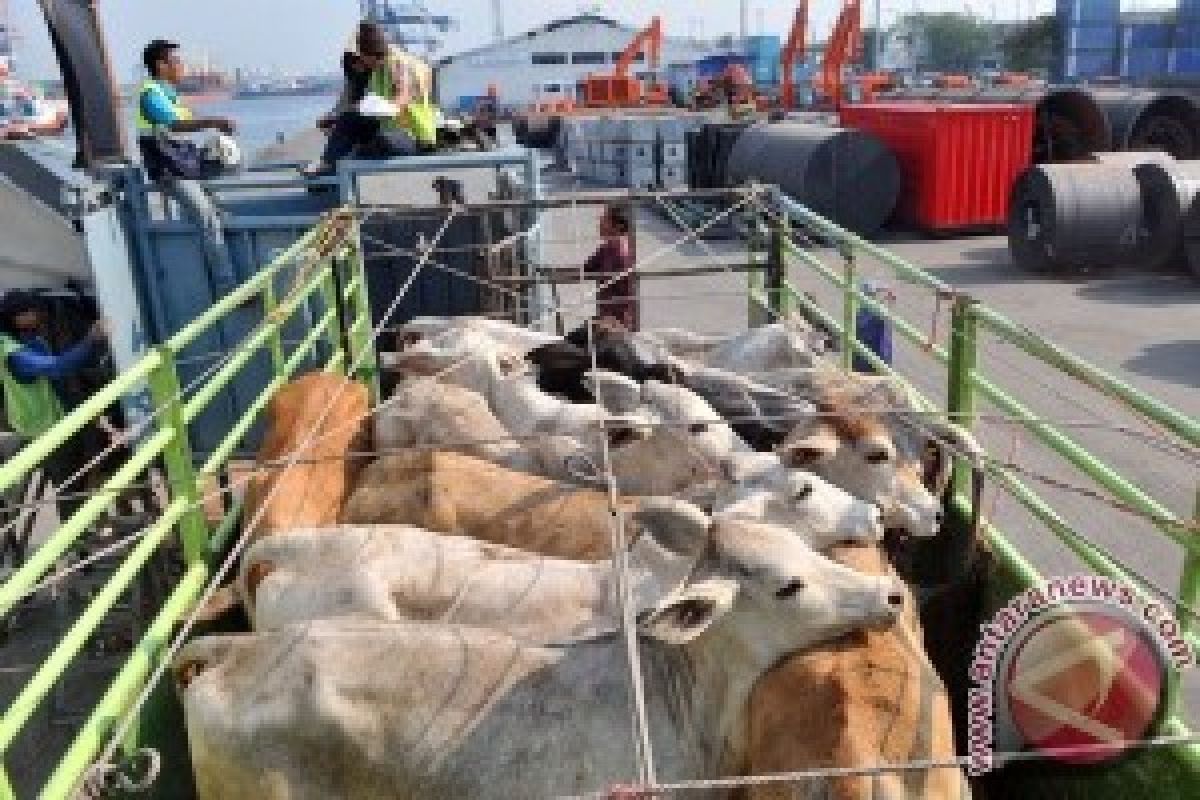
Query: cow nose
{"points": [[939, 517]]}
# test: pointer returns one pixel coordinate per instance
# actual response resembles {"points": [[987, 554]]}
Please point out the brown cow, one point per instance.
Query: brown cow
{"points": [[319, 418], [866, 699], [453, 493]]}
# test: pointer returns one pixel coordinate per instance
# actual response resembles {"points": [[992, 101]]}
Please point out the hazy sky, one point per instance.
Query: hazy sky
{"points": [[306, 35]]}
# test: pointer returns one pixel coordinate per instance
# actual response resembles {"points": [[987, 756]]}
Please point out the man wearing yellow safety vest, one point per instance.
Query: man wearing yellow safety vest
{"points": [[175, 163], [379, 75], [28, 370]]}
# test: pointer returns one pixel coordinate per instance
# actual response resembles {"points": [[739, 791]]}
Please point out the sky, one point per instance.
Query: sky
{"points": [[307, 35]]}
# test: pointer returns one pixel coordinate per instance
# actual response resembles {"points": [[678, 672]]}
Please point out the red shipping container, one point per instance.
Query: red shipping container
{"points": [[959, 161]]}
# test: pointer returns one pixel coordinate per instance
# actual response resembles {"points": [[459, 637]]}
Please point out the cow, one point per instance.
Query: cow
{"points": [[865, 699], [365, 709], [315, 424], [781, 345], [563, 365], [425, 412], [445, 330], [395, 572], [457, 494]]}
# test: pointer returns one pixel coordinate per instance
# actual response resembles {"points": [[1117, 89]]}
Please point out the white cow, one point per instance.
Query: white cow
{"points": [[357, 709], [780, 345], [759, 487], [513, 338]]}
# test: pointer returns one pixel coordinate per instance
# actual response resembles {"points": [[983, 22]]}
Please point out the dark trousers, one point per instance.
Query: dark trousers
{"points": [[353, 134]]}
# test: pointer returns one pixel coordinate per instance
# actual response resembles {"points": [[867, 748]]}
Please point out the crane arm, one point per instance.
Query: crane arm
{"points": [[649, 42], [843, 44], [795, 50]]}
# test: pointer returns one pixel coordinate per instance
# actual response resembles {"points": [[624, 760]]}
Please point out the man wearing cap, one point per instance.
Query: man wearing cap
{"points": [[177, 164], [385, 109]]}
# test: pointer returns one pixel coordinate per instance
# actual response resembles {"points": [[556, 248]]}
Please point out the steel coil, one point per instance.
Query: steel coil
{"points": [[1075, 216], [847, 176], [1168, 193], [1143, 119]]}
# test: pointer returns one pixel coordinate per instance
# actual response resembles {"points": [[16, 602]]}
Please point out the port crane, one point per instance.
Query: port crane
{"points": [[795, 51]]}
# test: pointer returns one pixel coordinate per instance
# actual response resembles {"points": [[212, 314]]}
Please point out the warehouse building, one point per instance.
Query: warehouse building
{"points": [[549, 62]]}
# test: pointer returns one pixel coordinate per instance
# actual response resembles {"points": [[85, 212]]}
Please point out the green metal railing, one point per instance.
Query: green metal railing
{"points": [[772, 296], [324, 270]]}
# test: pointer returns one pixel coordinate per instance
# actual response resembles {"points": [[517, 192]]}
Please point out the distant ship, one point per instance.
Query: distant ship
{"points": [[204, 83], [26, 113], [286, 87]]}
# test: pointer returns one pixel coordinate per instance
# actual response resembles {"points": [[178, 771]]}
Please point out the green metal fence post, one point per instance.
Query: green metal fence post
{"points": [[960, 374], [177, 455], [1189, 582], [270, 303], [777, 285], [331, 299], [849, 309], [362, 347]]}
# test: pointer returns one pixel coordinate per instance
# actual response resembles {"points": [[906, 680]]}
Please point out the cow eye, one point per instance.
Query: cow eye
{"points": [[791, 589], [878, 457], [698, 427], [803, 493]]}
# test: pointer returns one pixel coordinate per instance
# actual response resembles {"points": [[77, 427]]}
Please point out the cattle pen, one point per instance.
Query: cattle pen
{"points": [[333, 271]]}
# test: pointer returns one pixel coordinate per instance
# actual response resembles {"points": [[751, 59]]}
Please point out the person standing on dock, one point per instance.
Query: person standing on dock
{"points": [[177, 164], [28, 371], [381, 74], [612, 267]]}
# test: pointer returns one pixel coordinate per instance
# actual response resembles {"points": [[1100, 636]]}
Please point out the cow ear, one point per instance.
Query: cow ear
{"points": [[676, 525], [814, 447], [690, 610]]}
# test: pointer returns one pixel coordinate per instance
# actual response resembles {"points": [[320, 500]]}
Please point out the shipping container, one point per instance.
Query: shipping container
{"points": [[1186, 61], [710, 67], [1074, 12], [1084, 64], [1187, 35], [1146, 62], [1148, 35], [1093, 37], [959, 162]]}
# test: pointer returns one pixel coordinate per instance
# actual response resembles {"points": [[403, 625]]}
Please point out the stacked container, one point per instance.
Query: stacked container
{"points": [[1146, 49], [1186, 53], [763, 54], [1091, 37]]}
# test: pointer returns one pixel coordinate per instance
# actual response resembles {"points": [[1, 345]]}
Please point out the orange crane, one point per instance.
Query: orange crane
{"points": [[622, 90], [845, 43], [795, 50]]}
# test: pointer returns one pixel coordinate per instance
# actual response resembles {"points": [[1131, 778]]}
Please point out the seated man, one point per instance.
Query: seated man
{"points": [[176, 164], [611, 266], [378, 71]]}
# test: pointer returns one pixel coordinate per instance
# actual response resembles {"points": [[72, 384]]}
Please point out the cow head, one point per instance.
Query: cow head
{"points": [[858, 453], [785, 595], [763, 489]]}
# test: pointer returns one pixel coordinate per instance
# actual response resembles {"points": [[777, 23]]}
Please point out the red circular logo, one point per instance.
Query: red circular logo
{"points": [[1084, 685]]}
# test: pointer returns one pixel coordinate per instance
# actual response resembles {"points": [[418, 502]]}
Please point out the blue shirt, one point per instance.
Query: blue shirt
{"points": [[35, 359], [158, 104]]}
